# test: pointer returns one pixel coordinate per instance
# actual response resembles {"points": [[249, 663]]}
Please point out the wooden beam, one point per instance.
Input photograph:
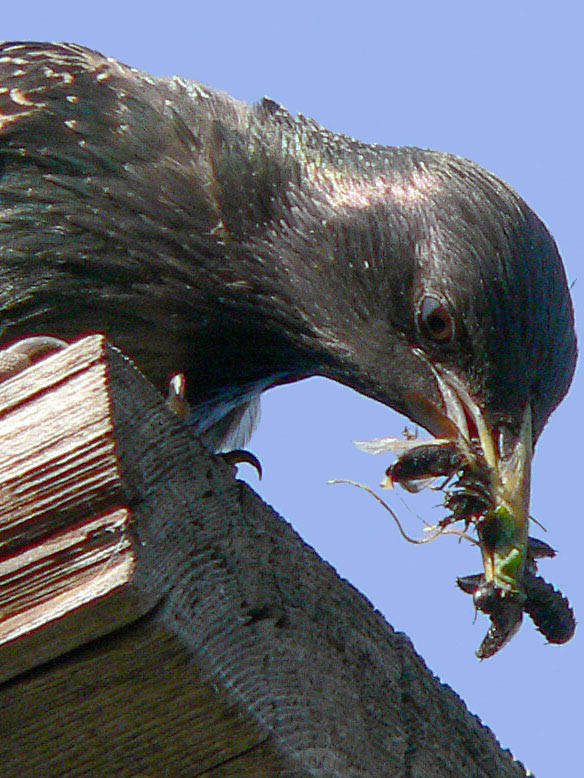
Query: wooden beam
{"points": [[242, 653]]}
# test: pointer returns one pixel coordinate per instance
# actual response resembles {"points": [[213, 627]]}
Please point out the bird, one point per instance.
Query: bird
{"points": [[245, 247]]}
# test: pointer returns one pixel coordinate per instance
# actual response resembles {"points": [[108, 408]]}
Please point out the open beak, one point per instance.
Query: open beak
{"points": [[503, 532], [505, 547]]}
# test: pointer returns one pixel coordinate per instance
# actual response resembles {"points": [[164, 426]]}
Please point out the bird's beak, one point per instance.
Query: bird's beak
{"points": [[503, 532]]}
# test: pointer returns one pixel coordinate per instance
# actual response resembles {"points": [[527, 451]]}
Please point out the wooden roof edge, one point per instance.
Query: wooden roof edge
{"points": [[214, 587]]}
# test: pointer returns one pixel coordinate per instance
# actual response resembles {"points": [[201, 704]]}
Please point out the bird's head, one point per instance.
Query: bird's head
{"points": [[247, 247], [433, 288], [465, 325]]}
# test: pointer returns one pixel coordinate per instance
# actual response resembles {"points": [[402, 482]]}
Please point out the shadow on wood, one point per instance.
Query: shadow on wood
{"points": [[158, 619]]}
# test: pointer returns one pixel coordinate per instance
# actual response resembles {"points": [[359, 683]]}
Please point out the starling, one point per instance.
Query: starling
{"points": [[245, 248]]}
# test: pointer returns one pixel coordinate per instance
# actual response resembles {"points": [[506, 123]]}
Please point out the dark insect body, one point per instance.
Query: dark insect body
{"points": [[463, 506], [549, 610], [470, 500], [426, 461]]}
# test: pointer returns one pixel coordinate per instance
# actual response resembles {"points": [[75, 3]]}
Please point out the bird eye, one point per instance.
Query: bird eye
{"points": [[435, 320]]}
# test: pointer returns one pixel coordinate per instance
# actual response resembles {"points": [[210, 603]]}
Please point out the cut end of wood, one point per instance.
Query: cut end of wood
{"points": [[65, 544], [45, 585]]}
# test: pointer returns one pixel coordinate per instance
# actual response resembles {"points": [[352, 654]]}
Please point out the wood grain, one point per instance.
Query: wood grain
{"points": [[251, 656]]}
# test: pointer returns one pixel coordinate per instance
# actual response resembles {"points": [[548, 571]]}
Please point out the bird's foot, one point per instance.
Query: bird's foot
{"points": [[24, 353], [177, 403], [239, 456]]}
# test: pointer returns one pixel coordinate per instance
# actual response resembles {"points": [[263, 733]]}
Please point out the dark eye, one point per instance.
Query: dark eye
{"points": [[435, 320]]}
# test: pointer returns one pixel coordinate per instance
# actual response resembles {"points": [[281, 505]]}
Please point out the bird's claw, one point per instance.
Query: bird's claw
{"points": [[177, 403], [239, 456]]}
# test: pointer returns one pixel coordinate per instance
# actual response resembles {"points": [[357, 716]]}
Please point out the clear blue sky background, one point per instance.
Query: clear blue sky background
{"points": [[498, 82]]}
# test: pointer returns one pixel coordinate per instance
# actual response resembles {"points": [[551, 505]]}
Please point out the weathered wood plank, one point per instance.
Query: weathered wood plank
{"points": [[43, 587], [254, 657], [57, 446], [130, 705], [65, 542]]}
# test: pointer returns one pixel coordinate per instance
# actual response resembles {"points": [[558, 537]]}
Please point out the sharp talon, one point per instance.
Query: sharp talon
{"points": [[239, 455], [24, 353]]}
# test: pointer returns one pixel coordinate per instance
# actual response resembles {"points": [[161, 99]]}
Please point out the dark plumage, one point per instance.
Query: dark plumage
{"points": [[246, 247]]}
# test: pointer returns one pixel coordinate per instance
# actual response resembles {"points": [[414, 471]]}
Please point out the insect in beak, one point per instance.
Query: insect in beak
{"points": [[489, 490]]}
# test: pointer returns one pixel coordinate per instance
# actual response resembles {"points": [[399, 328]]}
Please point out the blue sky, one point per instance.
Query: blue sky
{"points": [[499, 83]]}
